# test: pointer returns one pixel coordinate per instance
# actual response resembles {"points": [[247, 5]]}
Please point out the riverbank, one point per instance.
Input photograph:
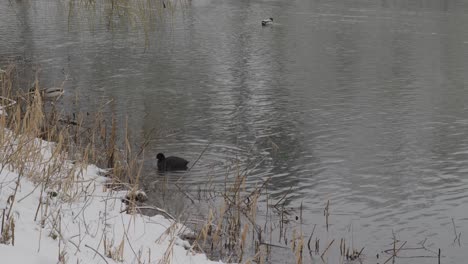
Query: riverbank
{"points": [[57, 207], [73, 217]]}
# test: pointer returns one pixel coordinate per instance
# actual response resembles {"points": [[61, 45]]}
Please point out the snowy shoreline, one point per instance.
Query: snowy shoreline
{"points": [[82, 220]]}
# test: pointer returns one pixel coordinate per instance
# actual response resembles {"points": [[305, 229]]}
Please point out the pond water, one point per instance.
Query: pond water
{"points": [[361, 102]]}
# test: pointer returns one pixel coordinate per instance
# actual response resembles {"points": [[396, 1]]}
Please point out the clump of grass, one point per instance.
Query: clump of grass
{"points": [[141, 15], [90, 139], [114, 252], [7, 235], [231, 228], [56, 166]]}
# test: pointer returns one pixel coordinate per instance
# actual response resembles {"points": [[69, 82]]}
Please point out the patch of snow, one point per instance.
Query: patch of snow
{"points": [[19, 254], [84, 223]]}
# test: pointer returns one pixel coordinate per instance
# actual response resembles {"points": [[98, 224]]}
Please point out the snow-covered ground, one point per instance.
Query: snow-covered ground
{"points": [[79, 220]]}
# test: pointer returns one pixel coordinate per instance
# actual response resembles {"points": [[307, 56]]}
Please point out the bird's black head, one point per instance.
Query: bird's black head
{"points": [[271, 18], [160, 156]]}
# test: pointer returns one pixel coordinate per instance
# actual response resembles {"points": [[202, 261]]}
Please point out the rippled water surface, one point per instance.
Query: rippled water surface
{"points": [[363, 103]]}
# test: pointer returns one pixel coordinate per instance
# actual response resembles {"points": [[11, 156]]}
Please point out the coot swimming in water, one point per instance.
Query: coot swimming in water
{"points": [[171, 163]]}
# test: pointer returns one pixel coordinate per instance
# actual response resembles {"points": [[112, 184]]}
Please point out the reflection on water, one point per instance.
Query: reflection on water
{"points": [[358, 102]]}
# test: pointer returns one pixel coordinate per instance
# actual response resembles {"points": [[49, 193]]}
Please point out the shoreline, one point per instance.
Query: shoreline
{"points": [[82, 220]]}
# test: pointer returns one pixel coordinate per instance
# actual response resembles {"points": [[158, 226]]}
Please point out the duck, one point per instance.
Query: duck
{"points": [[268, 21], [48, 93], [171, 163], [52, 92]]}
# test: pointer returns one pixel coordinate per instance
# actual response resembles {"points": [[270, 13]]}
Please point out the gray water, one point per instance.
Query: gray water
{"points": [[362, 103]]}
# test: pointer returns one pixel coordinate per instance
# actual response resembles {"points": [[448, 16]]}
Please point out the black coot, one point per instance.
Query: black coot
{"points": [[171, 163]]}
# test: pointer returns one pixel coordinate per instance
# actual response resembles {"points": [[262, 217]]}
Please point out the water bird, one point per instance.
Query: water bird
{"points": [[171, 163], [268, 21], [52, 92], [48, 93]]}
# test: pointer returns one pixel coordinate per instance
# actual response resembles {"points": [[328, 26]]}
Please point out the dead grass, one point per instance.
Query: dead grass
{"points": [[231, 230], [235, 231], [141, 15], [56, 165]]}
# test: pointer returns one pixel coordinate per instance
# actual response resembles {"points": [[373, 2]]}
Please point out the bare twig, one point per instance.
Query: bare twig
{"points": [[325, 251], [97, 253], [395, 252]]}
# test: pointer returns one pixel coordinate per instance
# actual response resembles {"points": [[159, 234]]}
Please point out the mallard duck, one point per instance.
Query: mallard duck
{"points": [[52, 92], [268, 21], [171, 163], [48, 93]]}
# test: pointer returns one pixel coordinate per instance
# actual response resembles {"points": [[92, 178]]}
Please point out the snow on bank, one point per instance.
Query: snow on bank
{"points": [[83, 223]]}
